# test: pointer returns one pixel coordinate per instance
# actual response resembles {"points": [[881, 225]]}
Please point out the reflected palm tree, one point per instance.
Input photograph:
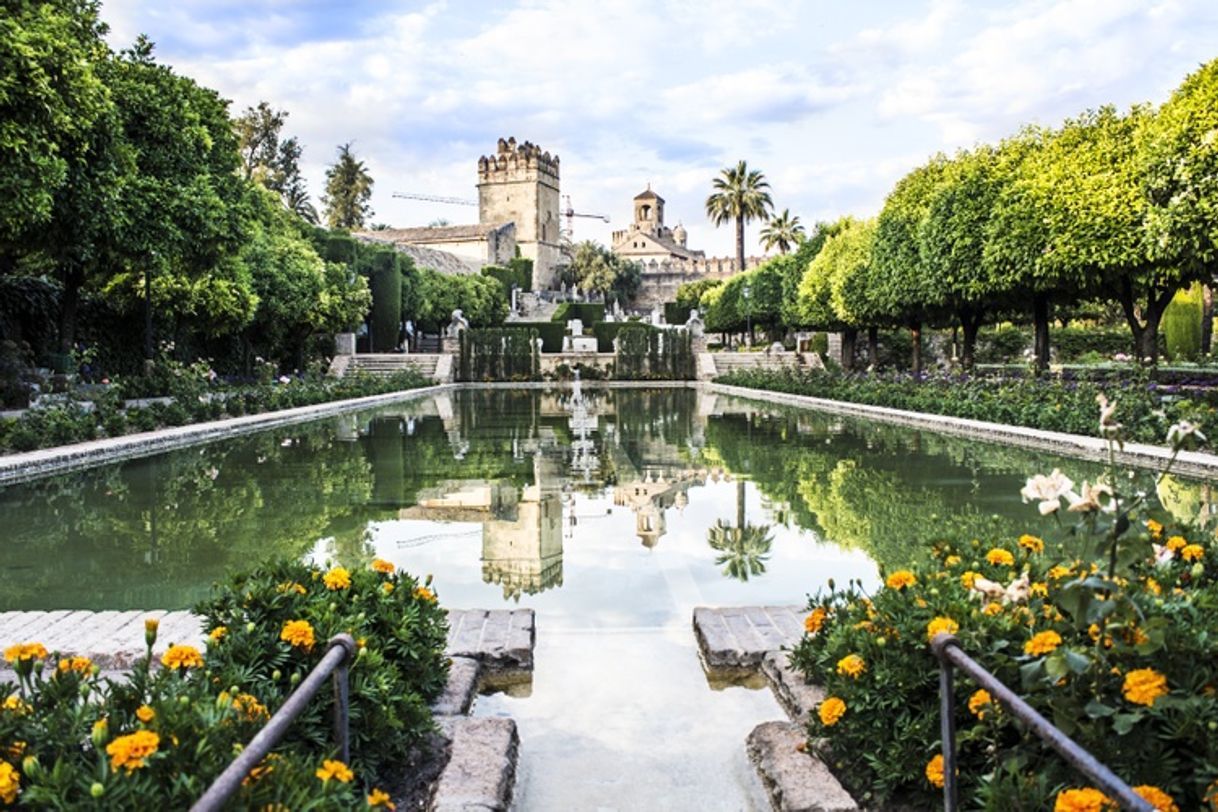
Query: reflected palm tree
{"points": [[744, 548]]}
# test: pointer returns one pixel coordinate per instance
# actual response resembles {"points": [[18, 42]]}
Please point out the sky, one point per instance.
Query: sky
{"points": [[832, 101]]}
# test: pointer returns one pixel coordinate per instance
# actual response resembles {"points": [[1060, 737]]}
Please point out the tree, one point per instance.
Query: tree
{"points": [[741, 194], [824, 299], [596, 269], [348, 190], [782, 231], [806, 251]]}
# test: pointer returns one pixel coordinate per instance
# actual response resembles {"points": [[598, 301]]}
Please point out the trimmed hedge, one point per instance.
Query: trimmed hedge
{"points": [[676, 313], [587, 312], [385, 279], [550, 332], [606, 331]]}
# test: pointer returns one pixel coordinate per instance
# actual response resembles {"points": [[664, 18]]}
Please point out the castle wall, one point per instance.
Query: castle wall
{"points": [[520, 184]]}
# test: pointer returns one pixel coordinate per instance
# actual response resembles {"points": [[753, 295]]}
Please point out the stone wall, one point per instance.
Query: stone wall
{"points": [[519, 183]]}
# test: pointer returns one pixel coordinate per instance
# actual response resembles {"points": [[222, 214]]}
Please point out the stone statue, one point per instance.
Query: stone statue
{"points": [[695, 325], [457, 324]]}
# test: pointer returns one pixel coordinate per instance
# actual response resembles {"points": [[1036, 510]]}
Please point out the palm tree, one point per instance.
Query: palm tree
{"points": [[783, 231], [741, 194], [742, 550]]}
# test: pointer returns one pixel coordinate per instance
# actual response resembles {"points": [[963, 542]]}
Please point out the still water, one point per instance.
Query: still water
{"points": [[612, 514]]}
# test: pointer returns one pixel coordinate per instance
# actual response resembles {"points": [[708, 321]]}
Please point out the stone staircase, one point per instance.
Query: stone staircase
{"points": [[713, 364], [438, 366]]}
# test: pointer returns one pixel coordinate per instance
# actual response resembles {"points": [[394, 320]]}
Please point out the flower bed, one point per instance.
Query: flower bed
{"points": [[1049, 404], [74, 422], [70, 739], [1108, 627]]}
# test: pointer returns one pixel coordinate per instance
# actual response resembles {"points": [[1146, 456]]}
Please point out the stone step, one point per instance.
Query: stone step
{"points": [[481, 771], [740, 636], [795, 780]]}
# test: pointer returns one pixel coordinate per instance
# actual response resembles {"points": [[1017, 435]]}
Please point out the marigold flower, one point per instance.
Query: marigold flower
{"points": [[1082, 800], [1000, 558], [130, 751], [968, 578], [387, 587], [378, 797], [852, 665], [1153, 587], [951, 561], [1059, 572], [23, 652], [145, 714], [1192, 552], [265, 767], [299, 633], [332, 768], [979, 702], [1032, 543], [1160, 800], [182, 656], [830, 711], [934, 771], [815, 620], [992, 608], [1042, 643], [337, 578], [291, 586], [151, 624], [17, 749], [16, 704], [941, 625], [383, 566], [424, 594], [901, 579], [81, 665], [250, 708], [10, 782], [1143, 686], [1176, 544], [1156, 529], [217, 634]]}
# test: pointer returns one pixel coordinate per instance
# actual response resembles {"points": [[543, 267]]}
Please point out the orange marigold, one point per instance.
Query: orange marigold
{"points": [[1059, 572], [145, 714], [1143, 686], [852, 665], [1082, 800], [1042, 643], [337, 578], [1160, 800], [1176, 544], [332, 768], [10, 782], [815, 620], [830, 711], [383, 566], [968, 577], [901, 579], [378, 797], [1032, 543], [941, 625], [1000, 557], [299, 633], [979, 702], [1193, 552], [182, 656], [81, 665], [934, 771], [1156, 529], [25, 651], [992, 608], [425, 594], [130, 751]]}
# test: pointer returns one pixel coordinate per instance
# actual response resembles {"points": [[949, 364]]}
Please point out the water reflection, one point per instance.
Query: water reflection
{"points": [[522, 475]]}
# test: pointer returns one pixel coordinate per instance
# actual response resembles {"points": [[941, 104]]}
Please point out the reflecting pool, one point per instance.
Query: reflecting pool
{"points": [[612, 513]]}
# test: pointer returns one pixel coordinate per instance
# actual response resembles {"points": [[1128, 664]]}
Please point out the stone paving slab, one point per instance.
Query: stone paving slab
{"points": [[740, 637], [498, 640], [797, 697], [795, 780], [481, 770], [459, 691]]}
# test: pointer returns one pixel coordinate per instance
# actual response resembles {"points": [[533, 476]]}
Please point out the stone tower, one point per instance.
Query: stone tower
{"points": [[519, 184]]}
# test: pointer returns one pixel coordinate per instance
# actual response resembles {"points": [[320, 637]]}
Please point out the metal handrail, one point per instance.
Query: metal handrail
{"points": [[947, 649], [340, 651]]}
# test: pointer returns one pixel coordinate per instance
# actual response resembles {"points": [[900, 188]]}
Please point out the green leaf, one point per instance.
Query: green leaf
{"points": [[1122, 723], [1096, 709]]}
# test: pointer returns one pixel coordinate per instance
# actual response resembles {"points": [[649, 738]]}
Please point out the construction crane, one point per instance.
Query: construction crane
{"points": [[456, 201], [570, 213]]}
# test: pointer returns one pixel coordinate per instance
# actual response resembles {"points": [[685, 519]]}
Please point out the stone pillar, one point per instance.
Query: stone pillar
{"points": [[344, 344], [835, 347]]}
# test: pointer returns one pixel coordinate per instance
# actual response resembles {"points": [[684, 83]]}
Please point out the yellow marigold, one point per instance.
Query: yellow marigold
{"points": [[81, 665], [250, 708], [951, 560], [217, 634], [815, 620], [182, 656], [979, 702], [1143, 686], [299, 633], [1059, 572], [16, 704], [131, 750], [1000, 557], [17, 749], [1032, 543], [1042, 643], [25, 651], [1156, 529], [10, 782], [1082, 800], [424, 594], [1160, 800], [830, 711], [901, 579], [1192, 552], [145, 714], [941, 625], [337, 578], [332, 768], [1134, 636], [992, 608], [852, 665], [934, 771], [258, 771], [1039, 589], [1176, 543], [388, 587], [378, 797], [1153, 587], [381, 565], [968, 577], [292, 586]]}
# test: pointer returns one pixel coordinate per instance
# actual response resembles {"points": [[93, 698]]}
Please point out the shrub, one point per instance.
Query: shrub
{"points": [[675, 313], [498, 354], [1108, 630], [385, 277], [1182, 324], [590, 313], [159, 738], [551, 333]]}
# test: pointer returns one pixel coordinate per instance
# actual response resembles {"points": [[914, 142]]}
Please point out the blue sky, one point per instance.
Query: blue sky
{"points": [[833, 101]]}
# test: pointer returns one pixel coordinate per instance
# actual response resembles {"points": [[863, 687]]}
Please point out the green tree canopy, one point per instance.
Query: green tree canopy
{"points": [[348, 190]]}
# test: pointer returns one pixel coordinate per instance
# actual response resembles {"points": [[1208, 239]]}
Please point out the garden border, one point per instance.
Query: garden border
{"points": [[1141, 455]]}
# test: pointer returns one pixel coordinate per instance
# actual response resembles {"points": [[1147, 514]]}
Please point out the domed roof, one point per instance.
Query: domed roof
{"points": [[679, 231]]}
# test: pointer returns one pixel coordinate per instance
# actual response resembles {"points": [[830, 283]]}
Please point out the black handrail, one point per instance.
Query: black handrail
{"points": [[340, 651], [947, 648]]}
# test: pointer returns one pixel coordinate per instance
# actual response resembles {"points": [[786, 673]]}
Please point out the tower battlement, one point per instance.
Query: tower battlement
{"points": [[510, 160]]}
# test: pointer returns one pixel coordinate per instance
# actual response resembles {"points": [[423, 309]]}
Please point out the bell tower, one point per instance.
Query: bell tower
{"points": [[519, 184]]}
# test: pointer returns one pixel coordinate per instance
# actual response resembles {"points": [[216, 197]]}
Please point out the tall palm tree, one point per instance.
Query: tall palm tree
{"points": [[783, 231], [742, 550], [741, 194]]}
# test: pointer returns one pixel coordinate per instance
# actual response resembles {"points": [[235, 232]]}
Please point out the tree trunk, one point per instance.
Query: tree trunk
{"points": [[873, 345], [1146, 330], [915, 333], [850, 337], [970, 323], [1207, 319], [1040, 321], [739, 501], [740, 244], [69, 305]]}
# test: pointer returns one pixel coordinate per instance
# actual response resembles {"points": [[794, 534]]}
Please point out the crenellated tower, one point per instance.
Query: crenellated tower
{"points": [[519, 184]]}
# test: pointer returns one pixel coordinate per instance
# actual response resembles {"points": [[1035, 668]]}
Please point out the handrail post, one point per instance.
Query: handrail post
{"points": [[342, 700], [947, 724]]}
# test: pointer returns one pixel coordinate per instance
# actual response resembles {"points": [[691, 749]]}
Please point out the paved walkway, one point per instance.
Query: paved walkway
{"points": [[500, 640], [740, 636]]}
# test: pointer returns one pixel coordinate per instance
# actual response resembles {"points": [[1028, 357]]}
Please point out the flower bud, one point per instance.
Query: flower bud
{"points": [[100, 734], [84, 691], [150, 628], [183, 701], [97, 790], [1198, 570], [276, 675], [31, 767], [295, 678], [249, 627], [427, 580]]}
